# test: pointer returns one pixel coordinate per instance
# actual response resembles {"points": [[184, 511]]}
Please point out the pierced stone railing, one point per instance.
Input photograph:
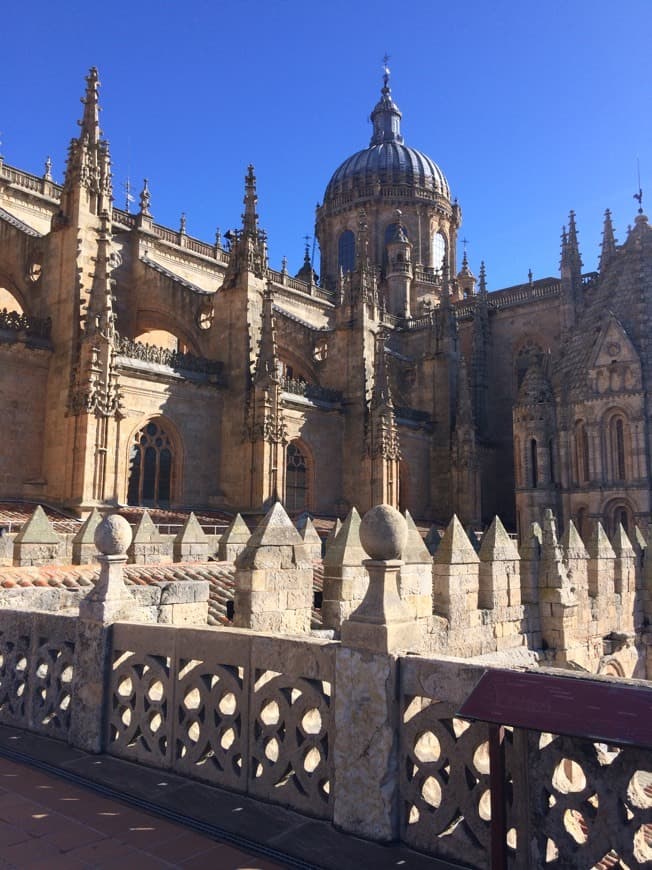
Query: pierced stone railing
{"points": [[311, 391], [247, 711], [164, 356], [30, 326], [256, 713], [36, 671], [570, 802]]}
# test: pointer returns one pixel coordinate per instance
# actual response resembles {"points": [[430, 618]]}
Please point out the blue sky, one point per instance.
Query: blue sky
{"points": [[530, 109]]}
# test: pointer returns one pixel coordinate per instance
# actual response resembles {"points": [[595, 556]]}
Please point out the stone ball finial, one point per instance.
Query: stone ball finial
{"points": [[113, 535], [383, 533]]}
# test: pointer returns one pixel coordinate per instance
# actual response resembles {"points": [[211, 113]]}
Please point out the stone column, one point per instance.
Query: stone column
{"points": [[367, 711], [108, 602]]}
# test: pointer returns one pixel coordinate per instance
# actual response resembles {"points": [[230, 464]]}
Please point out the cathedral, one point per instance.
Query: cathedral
{"points": [[139, 365]]}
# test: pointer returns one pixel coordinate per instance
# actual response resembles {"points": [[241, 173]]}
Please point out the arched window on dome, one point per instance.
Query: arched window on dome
{"points": [[150, 467], [346, 251], [438, 251]]}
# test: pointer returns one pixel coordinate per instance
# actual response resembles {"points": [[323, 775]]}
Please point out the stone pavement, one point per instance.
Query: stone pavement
{"points": [[66, 809], [50, 823]]}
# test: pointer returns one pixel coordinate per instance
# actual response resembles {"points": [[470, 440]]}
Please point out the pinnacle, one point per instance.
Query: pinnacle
{"points": [[276, 529], [237, 532], [433, 540], [86, 535], [621, 543], [192, 532], [455, 547], [599, 546], [37, 530], [346, 548], [572, 543], [497, 545], [146, 531], [309, 533], [332, 535], [415, 551]]}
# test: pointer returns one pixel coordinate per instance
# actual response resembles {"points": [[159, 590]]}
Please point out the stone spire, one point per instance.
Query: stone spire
{"points": [[608, 247], [382, 441], [250, 216], [571, 275], [95, 382], [482, 289], [89, 162], [381, 394], [267, 362], [386, 115]]}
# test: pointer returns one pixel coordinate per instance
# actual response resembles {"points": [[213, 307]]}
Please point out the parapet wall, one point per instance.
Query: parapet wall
{"points": [[286, 719]]}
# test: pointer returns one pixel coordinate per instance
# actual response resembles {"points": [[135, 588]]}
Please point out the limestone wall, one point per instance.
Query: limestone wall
{"points": [[23, 380]]}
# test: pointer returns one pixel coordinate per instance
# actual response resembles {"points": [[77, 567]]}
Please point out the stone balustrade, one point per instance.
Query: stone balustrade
{"points": [[357, 731]]}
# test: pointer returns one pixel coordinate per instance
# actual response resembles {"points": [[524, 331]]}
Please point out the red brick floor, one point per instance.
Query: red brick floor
{"points": [[46, 822]]}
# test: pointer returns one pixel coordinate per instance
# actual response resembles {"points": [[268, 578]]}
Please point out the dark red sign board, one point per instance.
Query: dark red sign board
{"points": [[601, 711]]}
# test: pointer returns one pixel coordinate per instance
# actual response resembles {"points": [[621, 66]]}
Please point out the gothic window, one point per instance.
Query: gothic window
{"points": [[534, 464], [581, 453], [296, 479], [438, 251], [551, 460], [150, 467], [518, 471], [346, 251]]}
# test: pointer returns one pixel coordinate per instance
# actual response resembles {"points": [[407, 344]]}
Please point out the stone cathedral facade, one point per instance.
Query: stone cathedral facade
{"points": [[139, 365]]}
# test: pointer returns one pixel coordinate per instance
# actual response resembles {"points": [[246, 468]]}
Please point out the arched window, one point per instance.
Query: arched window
{"points": [[518, 465], [438, 251], [9, 302], [581, 452], [616, 440], [618, 512], [551, 460], [150, 467], [296, 479], [534, 463], [621, 518], [346, 251]]}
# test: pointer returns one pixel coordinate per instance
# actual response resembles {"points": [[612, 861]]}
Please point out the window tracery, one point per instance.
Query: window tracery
{"points": [[151, 467], [296, 479]]}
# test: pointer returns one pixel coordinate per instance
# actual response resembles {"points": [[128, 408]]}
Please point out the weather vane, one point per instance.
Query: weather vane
{"points": [[386, 69], [639, 196]]}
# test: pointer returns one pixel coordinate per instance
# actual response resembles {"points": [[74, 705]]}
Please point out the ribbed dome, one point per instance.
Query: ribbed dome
{"points": [[390, 163], [387, 159]]}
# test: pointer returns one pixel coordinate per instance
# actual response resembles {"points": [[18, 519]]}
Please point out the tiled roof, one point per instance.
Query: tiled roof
{"points": [[20, 225], [174, 277], [220, 577], [15, 513], [618, 292]]}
